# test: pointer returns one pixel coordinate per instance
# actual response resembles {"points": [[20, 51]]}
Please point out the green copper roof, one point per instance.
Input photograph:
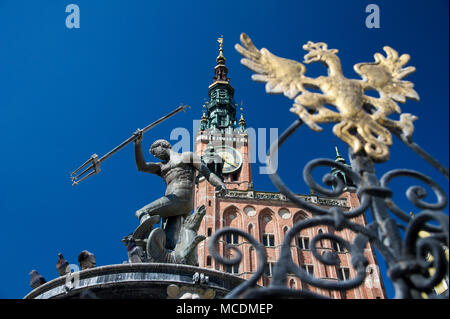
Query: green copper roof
{"points": [[220, 112]]}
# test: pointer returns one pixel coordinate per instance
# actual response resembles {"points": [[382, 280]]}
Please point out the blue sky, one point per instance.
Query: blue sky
{"points": [[68, 93]]}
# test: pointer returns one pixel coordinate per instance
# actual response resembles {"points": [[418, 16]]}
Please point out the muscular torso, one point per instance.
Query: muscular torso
{"points": [[179, 177]]}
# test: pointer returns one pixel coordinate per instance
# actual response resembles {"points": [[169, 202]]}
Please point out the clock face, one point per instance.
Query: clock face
{"points": [[232, 158]]}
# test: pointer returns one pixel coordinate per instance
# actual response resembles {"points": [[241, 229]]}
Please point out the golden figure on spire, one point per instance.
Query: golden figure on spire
{"points": [[220, 40], [220, 58], [220, 70]]}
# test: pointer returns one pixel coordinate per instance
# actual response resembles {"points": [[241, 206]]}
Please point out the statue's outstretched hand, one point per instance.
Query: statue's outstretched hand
{"points": [[139, 136], [221, 189]]}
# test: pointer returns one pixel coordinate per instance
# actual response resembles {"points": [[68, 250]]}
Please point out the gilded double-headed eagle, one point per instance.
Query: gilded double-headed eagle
{"points": [[362, 120]]}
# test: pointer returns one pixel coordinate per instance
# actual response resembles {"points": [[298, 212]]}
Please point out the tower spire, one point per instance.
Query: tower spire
{"points": [[203, 120], [338, 172], [220, 109], [220, 70], [242, 124], [339, 158], [336, 148], [220, 58]]}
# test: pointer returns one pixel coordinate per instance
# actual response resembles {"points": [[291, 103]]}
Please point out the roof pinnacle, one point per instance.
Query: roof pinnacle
{"points": [[242, 114], [204, 115], [220, 59], [339, 157], [203, 120], [242, 124], [220, 70]]}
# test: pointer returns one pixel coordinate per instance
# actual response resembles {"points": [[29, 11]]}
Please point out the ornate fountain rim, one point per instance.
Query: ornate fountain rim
{"points": [[119, 274]]}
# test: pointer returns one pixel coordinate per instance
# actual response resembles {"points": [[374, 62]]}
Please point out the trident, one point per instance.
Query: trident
{"points": [[95, 162]]}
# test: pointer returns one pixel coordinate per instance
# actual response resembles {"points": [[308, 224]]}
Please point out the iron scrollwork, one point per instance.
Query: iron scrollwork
{"points": [[409, 257]]}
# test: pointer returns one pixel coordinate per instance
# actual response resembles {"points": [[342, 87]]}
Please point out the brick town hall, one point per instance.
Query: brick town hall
{"points": [[266, 216]]}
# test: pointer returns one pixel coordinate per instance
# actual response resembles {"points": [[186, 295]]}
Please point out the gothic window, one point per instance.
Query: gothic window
{"points": [[208, 261], [234, 269], [209, 231], [231, 217], [337, 247], [251, 260], [250, 211], [303, 242], [250, 230], [268, 240], [285, 230], [232, 239], [300, 215], [292, 284], [309, 269], [284, 213], [269, 269], [320, 241], [343, 273], [268, 229]]}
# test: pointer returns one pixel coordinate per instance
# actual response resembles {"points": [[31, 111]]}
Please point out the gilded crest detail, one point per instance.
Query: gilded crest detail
{"points": [[361, 120]]}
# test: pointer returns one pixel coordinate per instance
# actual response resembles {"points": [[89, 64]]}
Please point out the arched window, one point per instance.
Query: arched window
{"points": [[292, 284], [303, 242], [343, 273], [284, 213], [285, 230], [232, 218], [298, 216], [320, 232], [250, 211], [267, 229], [251, 250], [250, 230], [251, 254], [337, 247], [303, 236]]}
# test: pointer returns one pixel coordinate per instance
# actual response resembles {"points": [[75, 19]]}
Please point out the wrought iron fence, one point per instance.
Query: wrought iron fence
{"points": [[407, 256]]}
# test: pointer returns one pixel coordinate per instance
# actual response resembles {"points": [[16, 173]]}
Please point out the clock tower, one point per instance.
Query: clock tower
{"points": [[221, 134], [224, 145], [221, 137]]}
